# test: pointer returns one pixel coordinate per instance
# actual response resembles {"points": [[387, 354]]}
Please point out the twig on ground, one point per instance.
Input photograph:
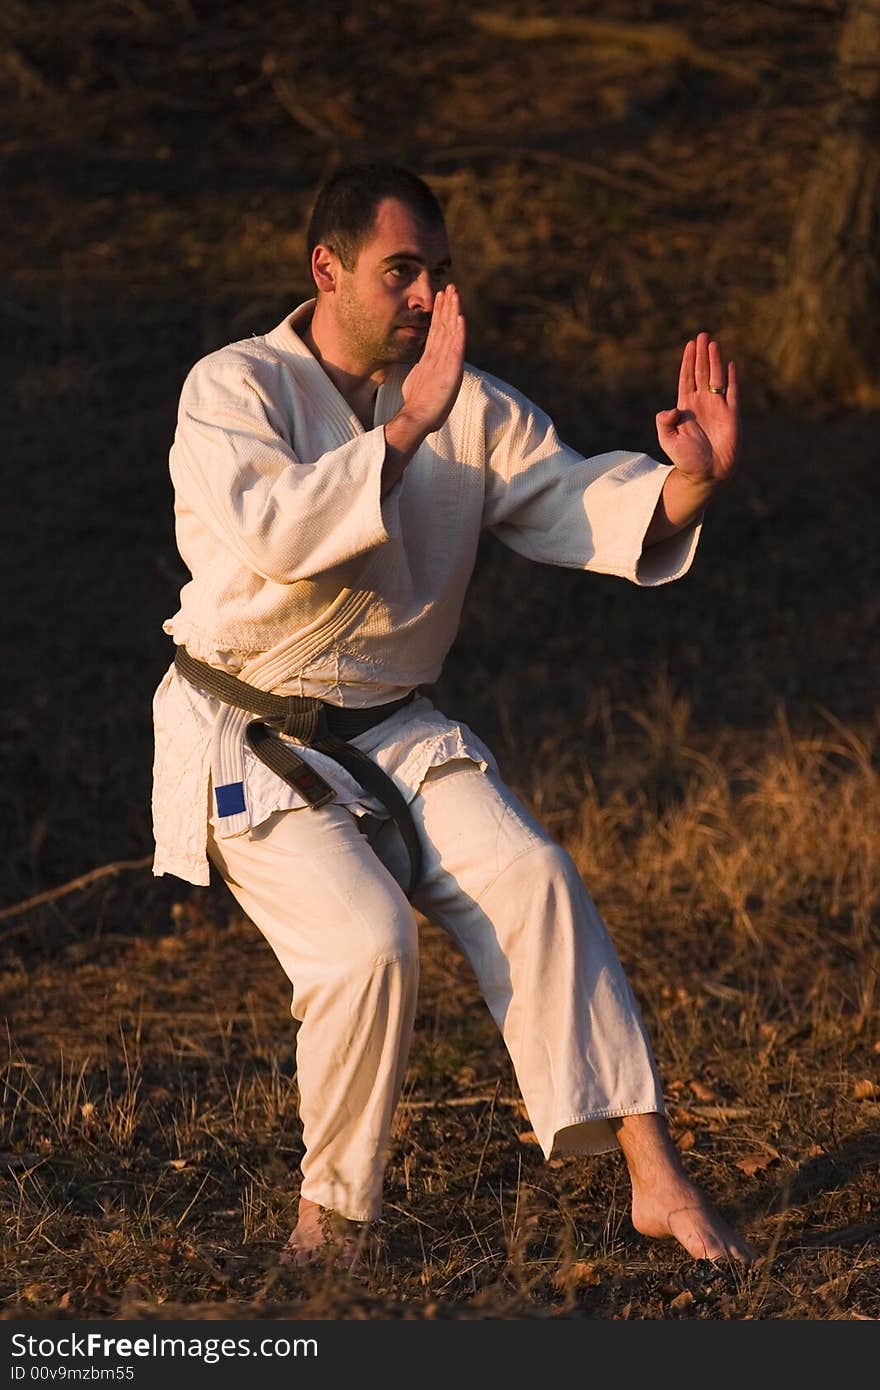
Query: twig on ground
{"points": [[83, 881], [484, 1097]]}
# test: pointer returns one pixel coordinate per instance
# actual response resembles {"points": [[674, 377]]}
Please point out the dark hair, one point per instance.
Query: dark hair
{"points": [[345, 209]]}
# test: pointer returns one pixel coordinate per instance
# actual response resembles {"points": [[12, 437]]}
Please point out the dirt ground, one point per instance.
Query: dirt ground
{"points": [[612, 186]]}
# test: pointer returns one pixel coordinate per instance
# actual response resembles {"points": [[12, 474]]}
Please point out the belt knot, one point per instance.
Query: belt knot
{"points": [[303, 718]]}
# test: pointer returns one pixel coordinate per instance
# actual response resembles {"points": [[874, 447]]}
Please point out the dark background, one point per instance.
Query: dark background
{"points": [[607, 198]]}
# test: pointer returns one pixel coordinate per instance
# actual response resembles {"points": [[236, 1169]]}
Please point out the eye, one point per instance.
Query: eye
{"points": [[400, 273]]}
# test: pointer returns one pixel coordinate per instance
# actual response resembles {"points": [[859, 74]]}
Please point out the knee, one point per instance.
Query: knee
{"points": [[378, 962], [396, 940], [388, 936], [549, 869], [546, 884]]}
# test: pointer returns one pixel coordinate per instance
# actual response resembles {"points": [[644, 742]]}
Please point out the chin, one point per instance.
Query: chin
{"points": [[404, 353]]}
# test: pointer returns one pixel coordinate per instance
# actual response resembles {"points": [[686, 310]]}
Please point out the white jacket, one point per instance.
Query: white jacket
{"points": [[306, 581]]}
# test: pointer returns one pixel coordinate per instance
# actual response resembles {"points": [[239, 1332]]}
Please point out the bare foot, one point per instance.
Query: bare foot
{"points": [[684, 1213], [666, 1203], [322, 1235]]}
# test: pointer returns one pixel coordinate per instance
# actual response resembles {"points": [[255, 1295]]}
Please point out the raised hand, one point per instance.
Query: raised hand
{"points": [[432, 385], [701, 434]]}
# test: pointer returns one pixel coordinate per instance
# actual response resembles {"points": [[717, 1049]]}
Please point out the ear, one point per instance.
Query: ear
{"points": [[325, 269]]}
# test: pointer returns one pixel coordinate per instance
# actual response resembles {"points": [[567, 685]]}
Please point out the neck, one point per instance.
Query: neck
{"points": [[356, 383]]}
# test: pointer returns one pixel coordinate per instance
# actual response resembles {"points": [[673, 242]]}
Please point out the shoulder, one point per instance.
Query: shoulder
{"points": [[484, 385], [496, 400], [237, 368]]}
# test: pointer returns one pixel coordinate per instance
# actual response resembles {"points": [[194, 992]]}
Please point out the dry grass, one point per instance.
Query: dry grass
{"points": [[151, 1144]]}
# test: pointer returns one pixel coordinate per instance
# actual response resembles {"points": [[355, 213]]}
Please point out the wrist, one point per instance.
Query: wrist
{"points": [[700, 488], [407, 429], [683, 498], [403, 436]]}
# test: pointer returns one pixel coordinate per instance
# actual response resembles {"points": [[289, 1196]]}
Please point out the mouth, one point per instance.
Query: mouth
{"points": [[414, 330]]}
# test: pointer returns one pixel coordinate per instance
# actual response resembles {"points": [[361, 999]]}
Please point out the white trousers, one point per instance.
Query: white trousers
{"points": [[333, 912]]}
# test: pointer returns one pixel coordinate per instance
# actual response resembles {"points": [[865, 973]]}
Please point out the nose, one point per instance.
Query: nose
{"points": [[422, 294]]}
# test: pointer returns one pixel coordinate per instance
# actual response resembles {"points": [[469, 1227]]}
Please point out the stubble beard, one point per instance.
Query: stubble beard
{"points": [[372, 347]]}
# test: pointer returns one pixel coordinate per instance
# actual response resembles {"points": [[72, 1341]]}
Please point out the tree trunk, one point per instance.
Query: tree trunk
{"points": [[823, 334]]}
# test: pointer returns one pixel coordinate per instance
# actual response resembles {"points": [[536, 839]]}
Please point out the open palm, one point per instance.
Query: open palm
{"points": [[701, 434]]}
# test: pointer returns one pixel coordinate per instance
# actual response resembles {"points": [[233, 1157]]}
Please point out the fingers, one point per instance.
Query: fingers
{"points": [[668, 419], [447, 341], [732, 388], [701, 361], [702, 367], [686, 383], [446, 308], [446, 317], [435, 327], [717, 375]]}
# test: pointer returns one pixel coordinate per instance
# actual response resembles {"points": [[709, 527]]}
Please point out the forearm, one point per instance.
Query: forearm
{"points": [[681, 501], [403, 436], [284, 519]]}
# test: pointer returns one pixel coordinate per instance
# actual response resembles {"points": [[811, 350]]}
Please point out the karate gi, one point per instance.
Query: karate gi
{"points": [[305, 581]]}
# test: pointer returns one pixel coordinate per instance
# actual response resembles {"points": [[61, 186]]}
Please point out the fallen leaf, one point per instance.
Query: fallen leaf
{"points": [[528, 1136], [829, 1287], [177, 1163], [576, 1275], [685, 1142], [687, 1116], [756, 1163], [865, 1090], [815, 1151], [700, 1091], [682, 1300]]}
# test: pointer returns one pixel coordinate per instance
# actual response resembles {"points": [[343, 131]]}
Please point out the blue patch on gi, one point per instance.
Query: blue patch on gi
{"points": [[230, 799]]}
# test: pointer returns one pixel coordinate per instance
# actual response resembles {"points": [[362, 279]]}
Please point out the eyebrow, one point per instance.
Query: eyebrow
{"points": [[445, 264]]}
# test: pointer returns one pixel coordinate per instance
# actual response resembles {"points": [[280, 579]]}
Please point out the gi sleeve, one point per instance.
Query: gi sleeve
{"points": [[233, 467], [547, 502]]}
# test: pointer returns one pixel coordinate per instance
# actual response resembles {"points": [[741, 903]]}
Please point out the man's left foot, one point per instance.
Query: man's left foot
{"points": [[684, 1213], [323, 1235], [666, 1203]]}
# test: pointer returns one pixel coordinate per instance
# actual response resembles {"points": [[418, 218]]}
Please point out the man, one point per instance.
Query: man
{"points": [[332, 478]]}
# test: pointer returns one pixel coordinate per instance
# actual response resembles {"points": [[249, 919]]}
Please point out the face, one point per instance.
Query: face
{"points": [[382, 306]]}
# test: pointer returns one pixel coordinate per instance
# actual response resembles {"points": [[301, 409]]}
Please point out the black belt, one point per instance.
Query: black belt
{"points": [[317, 725]]}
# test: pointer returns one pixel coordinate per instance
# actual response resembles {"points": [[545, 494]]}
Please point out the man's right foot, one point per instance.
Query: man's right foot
{"points": [[323, 1235]]}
